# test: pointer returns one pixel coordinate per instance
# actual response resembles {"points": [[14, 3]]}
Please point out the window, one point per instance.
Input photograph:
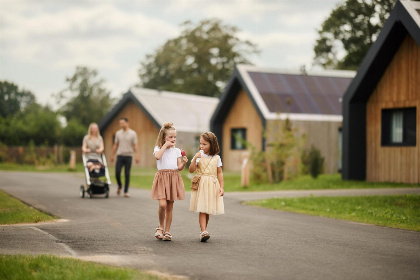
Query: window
{"points": [[238, 138], [399, 127]]}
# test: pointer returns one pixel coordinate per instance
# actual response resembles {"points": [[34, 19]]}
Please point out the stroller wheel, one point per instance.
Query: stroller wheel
{"points": [[106, 191], [89, 191], [82, 191]]}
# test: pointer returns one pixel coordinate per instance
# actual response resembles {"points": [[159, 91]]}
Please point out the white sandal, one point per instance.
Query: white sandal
{"points": [[167, 237], [204, 236], [159, 235]]}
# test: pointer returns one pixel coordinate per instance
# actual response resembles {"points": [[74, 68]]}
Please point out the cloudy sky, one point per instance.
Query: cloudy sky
{"points": [[42, 42]]}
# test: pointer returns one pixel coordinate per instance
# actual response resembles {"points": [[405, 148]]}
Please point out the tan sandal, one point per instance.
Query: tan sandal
{"points": [[159, 235], [167, 237], [204, 236]]}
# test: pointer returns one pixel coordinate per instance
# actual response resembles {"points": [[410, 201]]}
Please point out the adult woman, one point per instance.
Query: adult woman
{"points": [[93, 146]]}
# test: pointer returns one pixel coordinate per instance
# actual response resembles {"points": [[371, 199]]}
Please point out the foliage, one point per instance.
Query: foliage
{"points": [[85, 98], [351, 28], [199, 61], [13, 100], [399, 211], [312, 162], [73, 133], [37, 123]]}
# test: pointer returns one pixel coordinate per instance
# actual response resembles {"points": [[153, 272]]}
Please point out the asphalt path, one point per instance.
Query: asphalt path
{"points": [[246, 243]]}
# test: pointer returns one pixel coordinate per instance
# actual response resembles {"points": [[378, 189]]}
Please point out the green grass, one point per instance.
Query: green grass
{"points": [[21, 267], [33, 168], [397, 211], [12, 211]]}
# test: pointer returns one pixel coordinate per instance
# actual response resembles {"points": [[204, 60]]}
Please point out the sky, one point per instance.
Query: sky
{"points": [[42, 42]]}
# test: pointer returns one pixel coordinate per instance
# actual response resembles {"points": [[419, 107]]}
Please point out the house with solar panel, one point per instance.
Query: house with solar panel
{"points": [[256, 96], [147, 110], [381, 108]]}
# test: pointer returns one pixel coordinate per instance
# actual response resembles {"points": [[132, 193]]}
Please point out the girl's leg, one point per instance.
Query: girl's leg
{"points": [[169, 211], [207, 220], [161, 212], [202, 219]]}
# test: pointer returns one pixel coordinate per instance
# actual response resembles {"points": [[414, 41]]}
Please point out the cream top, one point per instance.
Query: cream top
{"points": [[219, 163]]}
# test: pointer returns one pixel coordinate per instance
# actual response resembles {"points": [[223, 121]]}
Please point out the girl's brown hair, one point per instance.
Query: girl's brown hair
{"points": [[212, 139], [163, 132]]}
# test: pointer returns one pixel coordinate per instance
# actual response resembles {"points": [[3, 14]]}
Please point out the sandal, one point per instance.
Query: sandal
{"points": [[159, 235], [167, 237], [204, 236]]}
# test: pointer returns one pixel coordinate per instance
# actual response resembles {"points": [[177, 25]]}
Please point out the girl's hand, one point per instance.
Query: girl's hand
{"points": [[184, 160], [221, 191], [168, 144], [198, 155]]}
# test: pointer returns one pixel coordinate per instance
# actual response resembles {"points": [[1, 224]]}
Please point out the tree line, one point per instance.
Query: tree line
{"points": [[199, 61]]}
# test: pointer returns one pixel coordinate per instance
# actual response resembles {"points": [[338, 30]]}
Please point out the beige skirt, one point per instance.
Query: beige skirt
{"points": [[168, 185], [206, 199]]}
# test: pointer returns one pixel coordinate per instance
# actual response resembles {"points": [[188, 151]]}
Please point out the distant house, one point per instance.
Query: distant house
{"points": [[381, 129], [254, 97], [148, 109]]}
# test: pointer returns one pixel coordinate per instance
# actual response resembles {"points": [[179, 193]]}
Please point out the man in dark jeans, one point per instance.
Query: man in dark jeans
{"points": [[125, 146]]}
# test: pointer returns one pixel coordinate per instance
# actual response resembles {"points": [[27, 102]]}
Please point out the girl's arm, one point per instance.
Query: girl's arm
{"points": [[193, 164], [182, 161], [221, 182], [159, 154]]}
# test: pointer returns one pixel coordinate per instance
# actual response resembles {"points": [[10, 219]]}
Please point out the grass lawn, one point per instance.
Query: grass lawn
{"points": [[397, 211], [21, 267], [33, 168], [12, 211]]}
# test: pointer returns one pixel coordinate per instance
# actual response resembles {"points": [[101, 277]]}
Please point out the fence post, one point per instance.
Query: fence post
{"points": [[72, 159], [245, 170]]}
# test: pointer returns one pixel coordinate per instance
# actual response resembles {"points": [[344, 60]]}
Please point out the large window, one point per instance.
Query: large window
{"points": [[238, 138], [399, 127]]}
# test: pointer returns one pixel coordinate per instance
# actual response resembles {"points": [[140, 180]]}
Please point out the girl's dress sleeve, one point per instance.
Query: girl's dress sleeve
{"points": [[156, 150], [178, 152]]}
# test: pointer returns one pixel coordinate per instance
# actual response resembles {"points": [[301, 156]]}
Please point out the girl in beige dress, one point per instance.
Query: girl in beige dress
{"points": [[208, 198]]}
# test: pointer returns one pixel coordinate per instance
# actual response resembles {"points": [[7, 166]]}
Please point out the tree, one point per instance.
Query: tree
{"points": [[13, 100], [349, 31], [199, 61], [85, 99]]}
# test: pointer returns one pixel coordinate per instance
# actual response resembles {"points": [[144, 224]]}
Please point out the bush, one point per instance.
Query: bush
{"points": [[315, 162]]}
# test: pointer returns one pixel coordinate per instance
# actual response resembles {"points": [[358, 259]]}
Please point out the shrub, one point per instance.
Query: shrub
{"points": [[315, 162]]}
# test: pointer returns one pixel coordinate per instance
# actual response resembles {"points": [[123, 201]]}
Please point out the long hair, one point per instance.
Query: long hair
{"points": [[90, 130], [212, 139], [160, 141]]}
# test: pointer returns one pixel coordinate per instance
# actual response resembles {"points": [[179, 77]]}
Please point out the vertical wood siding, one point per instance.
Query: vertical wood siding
{"points": [[399, 87]]}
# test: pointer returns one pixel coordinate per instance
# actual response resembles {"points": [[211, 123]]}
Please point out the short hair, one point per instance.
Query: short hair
{"points": [[214, 144], [124, 119]]}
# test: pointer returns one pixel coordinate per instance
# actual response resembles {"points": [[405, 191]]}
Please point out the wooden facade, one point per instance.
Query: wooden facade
{"points": [[241, 115], [146, 133], [399, 87]]}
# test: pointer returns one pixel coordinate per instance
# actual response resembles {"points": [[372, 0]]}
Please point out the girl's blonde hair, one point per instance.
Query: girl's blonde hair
{"points": [[163, 132], [214, 144], [90, 130]]}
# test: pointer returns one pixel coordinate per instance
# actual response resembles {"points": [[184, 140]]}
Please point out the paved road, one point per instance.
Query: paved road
{"points": [[246, 243]]}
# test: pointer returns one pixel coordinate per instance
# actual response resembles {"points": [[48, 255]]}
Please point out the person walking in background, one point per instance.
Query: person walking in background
{"points": [[167, 184], [208, 198], [125, 145], [93, 147]]}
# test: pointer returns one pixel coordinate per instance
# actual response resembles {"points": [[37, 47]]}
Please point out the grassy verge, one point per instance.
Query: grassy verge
{"points": [[397, 211], [34, 168], [51, 267], [12, 211]]}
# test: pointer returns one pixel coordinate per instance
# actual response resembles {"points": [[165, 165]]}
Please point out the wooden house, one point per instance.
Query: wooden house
{"points": [[148, 109], [256, 97], [381, 128]]}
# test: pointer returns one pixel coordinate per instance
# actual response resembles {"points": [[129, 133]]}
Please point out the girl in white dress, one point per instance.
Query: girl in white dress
{"points": [[167, 185], [208, 198]]}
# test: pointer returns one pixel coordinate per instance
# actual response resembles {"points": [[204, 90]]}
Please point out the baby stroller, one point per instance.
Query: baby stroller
{"points": [[95, 184]]}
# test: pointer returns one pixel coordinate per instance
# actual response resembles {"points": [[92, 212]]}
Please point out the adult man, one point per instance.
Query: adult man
{"points": [[125, 145]]}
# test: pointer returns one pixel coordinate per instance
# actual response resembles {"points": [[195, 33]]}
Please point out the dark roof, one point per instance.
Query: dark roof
{"points": [[404, 20], [301, 94]]}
